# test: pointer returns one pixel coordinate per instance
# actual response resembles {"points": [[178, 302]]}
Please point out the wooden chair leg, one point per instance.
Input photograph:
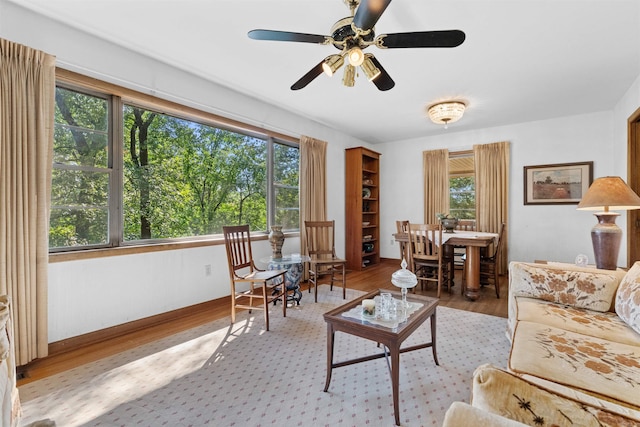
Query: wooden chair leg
{"points": [[233, 302], [266, 305], [496, 282], [285, 298], [315, 286], [344, 282]]}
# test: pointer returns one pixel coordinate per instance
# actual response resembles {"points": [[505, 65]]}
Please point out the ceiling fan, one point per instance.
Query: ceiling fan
{"points": [[353, 34]]}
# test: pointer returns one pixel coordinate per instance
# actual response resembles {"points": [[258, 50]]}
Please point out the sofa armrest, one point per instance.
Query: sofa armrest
{"points": [[462, 414], [568, 284]]}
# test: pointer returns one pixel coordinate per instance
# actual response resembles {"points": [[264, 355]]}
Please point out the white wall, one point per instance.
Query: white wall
{"points": [[552, 232]]}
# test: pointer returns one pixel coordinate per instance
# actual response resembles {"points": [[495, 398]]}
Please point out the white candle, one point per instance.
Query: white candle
{"points": [[368, 307]]}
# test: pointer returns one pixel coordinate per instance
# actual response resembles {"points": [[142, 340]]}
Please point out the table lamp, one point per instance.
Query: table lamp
{"points": [[609, 192]]}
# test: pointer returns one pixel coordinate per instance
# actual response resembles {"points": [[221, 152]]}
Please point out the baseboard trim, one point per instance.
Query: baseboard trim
{"points": [[74, 343]]}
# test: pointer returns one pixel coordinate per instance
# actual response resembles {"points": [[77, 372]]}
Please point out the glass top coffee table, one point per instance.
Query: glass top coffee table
{"points": [[391, 337], [294, 266]]}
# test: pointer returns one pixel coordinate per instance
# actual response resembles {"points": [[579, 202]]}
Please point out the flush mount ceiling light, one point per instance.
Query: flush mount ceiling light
{"points": [[446, 112]]}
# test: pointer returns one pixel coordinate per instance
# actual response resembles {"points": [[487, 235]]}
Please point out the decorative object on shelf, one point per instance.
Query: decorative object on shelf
{"points": [[404, 279], [609, 192], [446, 112], [276, 238], [365, 207], [367, 247], [366, 193], [365, 223], [448, 223]]}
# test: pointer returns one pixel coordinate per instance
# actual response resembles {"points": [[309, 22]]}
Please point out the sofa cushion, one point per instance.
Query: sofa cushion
{"points": [[628, 298], [604, 325], [502, 393], [605, 368], [580, 287]]}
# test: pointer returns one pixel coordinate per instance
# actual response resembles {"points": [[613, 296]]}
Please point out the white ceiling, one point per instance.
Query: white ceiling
{"points": [[522, 60]]}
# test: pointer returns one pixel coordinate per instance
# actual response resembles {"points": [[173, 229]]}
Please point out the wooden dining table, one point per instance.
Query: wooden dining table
{"points": [[473, 241]]}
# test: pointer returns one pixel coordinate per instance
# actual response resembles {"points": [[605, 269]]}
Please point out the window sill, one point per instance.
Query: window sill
{"points": [[141, 249]]}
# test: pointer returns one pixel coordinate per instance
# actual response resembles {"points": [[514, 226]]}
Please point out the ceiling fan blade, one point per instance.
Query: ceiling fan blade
{"points": [[286, 36], [383, 81], [369, 12], [448, 38], [309, 77]]}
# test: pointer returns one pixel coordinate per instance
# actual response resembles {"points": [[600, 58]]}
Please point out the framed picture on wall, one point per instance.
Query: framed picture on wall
{"points": [[562, 183]]}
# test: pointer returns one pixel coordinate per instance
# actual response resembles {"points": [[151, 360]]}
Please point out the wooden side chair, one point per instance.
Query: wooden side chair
{"points": [[321, 249], [402, 227], [466, 225], [255, 284], [426, 255], [488, 266], [459, 251]]}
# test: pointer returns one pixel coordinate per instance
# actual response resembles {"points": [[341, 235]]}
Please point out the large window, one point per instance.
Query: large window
{"points": [[128, 173], [462, 186]]}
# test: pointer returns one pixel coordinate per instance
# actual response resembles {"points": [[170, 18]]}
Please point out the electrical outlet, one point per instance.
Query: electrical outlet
{"points": [[207, 270], [392, 242]]}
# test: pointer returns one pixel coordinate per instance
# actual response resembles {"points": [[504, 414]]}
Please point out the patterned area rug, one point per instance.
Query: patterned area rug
{"points": [[239, 375]]}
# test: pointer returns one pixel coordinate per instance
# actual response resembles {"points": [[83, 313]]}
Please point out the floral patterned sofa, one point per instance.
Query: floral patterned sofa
{"points": [[576, 331], [575, 350]]}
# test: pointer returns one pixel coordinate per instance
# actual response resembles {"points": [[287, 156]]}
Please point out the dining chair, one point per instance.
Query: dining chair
{"points": [[265, 286], [321, 249], [466, 225], [426, 255], [488, 266], [402, 227], [459, 251]]}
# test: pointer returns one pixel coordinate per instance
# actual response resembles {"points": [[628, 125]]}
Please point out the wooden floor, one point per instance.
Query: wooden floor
{"points": [[374, 277]]}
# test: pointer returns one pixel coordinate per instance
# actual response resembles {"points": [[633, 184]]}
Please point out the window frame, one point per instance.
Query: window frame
{"points": [[118, 97], [460, 154]]}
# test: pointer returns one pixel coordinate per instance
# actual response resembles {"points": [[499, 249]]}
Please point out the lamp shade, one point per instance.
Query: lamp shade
{"points": [[609, 192]]}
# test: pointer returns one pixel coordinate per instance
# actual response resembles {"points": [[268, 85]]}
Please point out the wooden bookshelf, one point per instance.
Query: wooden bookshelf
{"points": [[362, 204]]}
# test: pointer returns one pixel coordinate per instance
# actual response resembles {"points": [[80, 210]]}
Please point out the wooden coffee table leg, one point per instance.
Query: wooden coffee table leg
{"points": [[433, 338], [330, 340], [395, 380]]}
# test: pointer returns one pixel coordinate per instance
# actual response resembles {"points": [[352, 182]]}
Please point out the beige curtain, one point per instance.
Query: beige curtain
{"points": [[492, 192], [27, 90], [313, 186], [435, 170]]}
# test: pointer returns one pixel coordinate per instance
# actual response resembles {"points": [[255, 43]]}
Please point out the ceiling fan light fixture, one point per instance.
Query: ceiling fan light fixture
{"points": [[349, 78], [446, 112], [331, 64], [356, 56], [369, 67]]}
